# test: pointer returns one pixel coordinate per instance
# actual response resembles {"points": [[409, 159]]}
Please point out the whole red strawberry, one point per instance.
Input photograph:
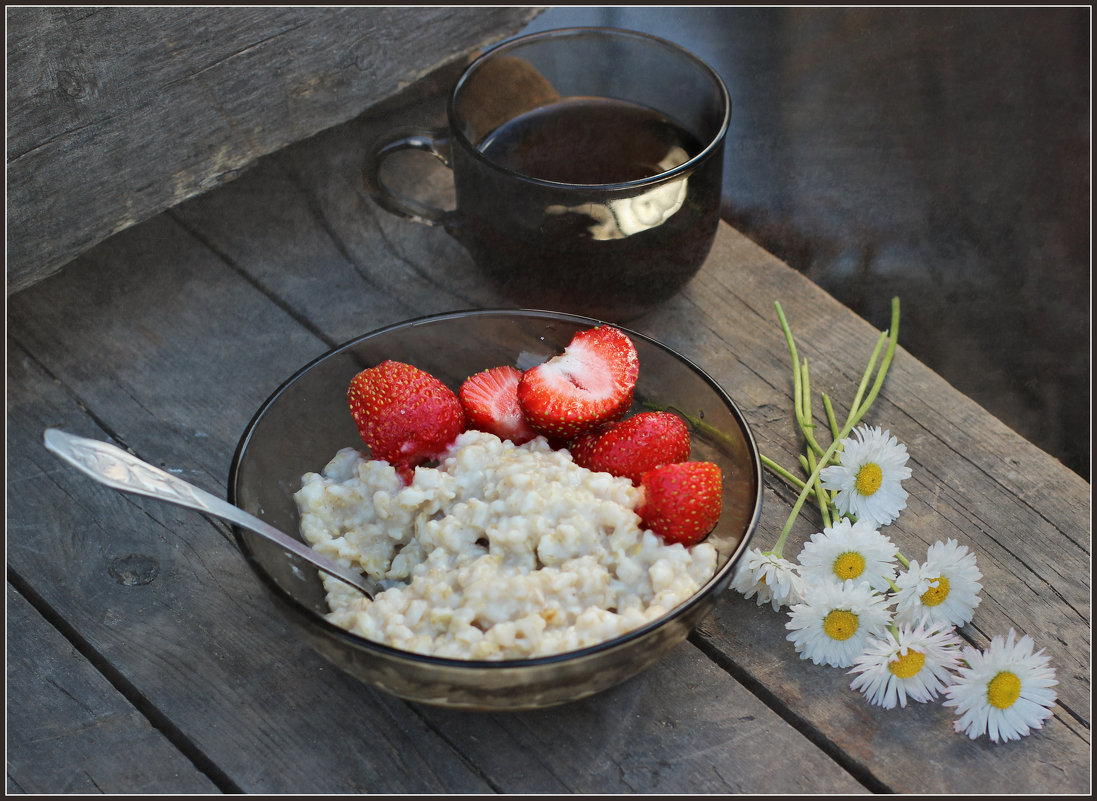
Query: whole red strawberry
{"points": [[682, 501], [405, 415], [490, 401], [590, 383], [631, 447]]}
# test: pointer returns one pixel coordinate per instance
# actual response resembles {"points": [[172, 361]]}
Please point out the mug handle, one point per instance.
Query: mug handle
{"points": [[433, 141]]}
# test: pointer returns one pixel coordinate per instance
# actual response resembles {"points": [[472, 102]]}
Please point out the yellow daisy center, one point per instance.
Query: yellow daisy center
{"points": [[869, 479], [936, 595], [1003, 690], [849, 565], [840, 624], [908, 664]]}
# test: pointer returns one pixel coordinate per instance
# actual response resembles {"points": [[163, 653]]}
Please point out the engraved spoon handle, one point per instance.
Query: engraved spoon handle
{"points": [[120, 470]]}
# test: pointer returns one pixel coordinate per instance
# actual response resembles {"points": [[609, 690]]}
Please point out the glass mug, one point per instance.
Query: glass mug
{"points": [[587, 167]]}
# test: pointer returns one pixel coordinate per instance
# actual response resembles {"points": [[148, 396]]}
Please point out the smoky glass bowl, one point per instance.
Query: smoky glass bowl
{"points": [[306, 421]]}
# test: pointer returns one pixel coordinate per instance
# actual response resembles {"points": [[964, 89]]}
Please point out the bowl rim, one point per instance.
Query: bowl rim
{"points": [[361, 643]]}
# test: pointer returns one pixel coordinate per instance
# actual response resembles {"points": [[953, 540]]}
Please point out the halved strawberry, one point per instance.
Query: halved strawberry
{"points": [[631, 447], [490, 401], [682, 501], [405, 415], [590, 383]]}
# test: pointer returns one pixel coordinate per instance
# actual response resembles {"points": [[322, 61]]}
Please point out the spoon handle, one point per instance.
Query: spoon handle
{"points": [[120, 470]]}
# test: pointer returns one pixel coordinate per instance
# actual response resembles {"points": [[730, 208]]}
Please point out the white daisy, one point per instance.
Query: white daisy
{"points": [[1004, 691], [770, 577], [849, 550], [913, 661], [868, 479], [835, 621], [945, 587]]}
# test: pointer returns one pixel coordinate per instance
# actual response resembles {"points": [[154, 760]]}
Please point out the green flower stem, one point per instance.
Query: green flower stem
{"points": [[824, 505], [801, 385], [807, 464], [807, 423], [892, 340], [831, 418], [863, 385], [776, 469], [906, 566], [791, 349], [805, 415], [857, 410], [808, 487]]}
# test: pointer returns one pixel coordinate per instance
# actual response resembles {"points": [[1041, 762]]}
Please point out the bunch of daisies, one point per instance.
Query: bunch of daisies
{"points": [[854, 601]]}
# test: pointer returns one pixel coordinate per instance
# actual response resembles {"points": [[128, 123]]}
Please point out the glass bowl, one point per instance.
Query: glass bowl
{"points": [[306, 421]]}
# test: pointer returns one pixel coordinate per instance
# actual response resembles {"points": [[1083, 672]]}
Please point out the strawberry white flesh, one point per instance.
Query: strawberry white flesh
{"points": [[490, 401], [590, 383]]}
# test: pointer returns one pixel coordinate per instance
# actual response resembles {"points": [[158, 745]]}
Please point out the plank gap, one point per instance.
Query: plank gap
{"points": [[102, 424], [857, 771], [251, 280], [440, 732], [1077, 717], [155, 717]]}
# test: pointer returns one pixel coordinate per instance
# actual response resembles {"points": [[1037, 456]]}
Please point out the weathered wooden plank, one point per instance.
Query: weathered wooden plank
{"points": [[1022, 512], [680, 727], [199, 642], [302, 223], [326, 267], [911, 750], [86, 737], [195, 636], [973, 480], [116, 113], [1025, 516]]}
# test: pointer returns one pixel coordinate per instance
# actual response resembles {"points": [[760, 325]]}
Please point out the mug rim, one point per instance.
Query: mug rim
{"points": [[714, 142]]}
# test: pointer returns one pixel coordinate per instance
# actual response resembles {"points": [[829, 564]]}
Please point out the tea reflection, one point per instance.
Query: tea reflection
{"points": [[619, 218]]}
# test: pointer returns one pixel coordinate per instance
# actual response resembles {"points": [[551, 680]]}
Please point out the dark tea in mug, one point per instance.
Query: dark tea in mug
{"points": [[589, 140], [589, 249], [588, 169]]}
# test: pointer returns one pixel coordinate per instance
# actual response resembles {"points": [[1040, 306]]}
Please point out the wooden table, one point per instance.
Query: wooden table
{"points": [[144, 658]]}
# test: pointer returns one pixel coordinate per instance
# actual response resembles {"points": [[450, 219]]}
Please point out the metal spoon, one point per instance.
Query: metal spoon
{"points": [[120, 470]]}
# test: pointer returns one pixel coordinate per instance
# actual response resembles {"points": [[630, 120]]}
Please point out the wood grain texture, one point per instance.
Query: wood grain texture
{"points": [[169, 335], [200, 642], [88, 737], [115, 114]]}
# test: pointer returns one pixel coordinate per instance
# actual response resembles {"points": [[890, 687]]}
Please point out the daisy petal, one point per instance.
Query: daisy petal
{"points": [[1003, 692], [869, 477], [835, 621], [849, 551]]}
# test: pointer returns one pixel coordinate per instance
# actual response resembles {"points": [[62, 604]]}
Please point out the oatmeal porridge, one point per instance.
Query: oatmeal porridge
{"points": [[500, 552]]}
